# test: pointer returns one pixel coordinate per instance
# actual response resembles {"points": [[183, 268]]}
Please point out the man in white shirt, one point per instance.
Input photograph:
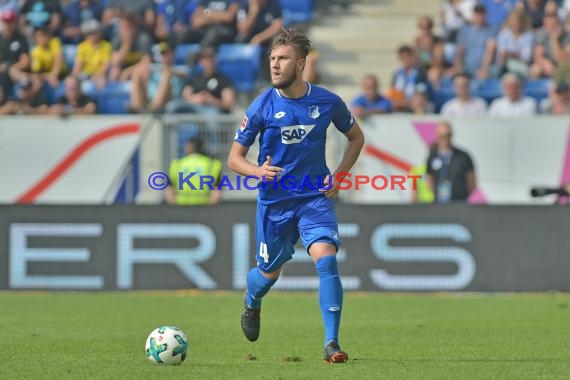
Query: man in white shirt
{"points": [[514, 103], [463, 104]]}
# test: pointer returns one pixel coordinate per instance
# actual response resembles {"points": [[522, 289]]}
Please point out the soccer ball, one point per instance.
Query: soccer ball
{"points": [[166, 345]]}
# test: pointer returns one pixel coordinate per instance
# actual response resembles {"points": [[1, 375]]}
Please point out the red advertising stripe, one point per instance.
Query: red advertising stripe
{"points": [[56, 172], [388, 158]]}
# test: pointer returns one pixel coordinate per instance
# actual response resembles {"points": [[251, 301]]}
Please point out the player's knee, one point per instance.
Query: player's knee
{"points": [[273, 275], [321, 249]]}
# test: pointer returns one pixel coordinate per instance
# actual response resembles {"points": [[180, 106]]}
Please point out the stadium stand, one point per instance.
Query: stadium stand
{"points": [[297, 12], [241, 63]]}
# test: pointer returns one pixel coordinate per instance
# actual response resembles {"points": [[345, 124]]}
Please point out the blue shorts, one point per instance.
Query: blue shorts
{"points": [[279, 226]]}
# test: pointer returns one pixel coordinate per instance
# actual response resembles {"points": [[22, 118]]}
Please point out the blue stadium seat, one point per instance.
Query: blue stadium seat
{"points": [[88, 88], [537, 88], [181, 53], [489, 89], [446, 92], [69, 52], [114, 99], [240, 62], [297, 11]]}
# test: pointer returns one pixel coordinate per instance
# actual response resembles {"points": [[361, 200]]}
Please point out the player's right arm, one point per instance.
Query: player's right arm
{"points": [[241, 165]]}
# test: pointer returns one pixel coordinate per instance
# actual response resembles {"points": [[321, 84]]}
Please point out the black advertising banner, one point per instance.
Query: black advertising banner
{"points": [[385, 248]]}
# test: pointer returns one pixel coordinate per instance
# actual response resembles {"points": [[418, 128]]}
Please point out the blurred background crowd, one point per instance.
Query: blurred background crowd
{"points": [[497, 57]]}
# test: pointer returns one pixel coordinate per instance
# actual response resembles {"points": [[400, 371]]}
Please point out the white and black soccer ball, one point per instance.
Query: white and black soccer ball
{"points": [[166, 345]]}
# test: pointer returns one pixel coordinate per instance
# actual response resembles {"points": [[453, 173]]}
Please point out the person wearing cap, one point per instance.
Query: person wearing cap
{"points": [[30, 100], [93, 55], [514, 103], [153, 85], [194, 161], [47, 57], [76, 13], [208, 92], [133, 45], [475, 47], [14, 56]]}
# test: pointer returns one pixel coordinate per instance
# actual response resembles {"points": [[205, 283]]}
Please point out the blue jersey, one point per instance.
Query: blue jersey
{"points": [[293, 132]]}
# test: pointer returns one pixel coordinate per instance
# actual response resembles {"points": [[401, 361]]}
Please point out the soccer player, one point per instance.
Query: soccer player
{"points": [[291, 120]]}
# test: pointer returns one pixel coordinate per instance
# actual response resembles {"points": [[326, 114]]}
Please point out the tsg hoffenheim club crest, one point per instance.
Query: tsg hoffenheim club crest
{"points": [[314, 112]]}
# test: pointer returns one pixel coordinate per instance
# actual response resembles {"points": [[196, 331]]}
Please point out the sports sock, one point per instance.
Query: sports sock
{"points": [[257, 286], [330, 296]]}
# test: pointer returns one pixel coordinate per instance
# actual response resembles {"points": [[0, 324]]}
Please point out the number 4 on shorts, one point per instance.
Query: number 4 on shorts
{"points": [[263, 252]]}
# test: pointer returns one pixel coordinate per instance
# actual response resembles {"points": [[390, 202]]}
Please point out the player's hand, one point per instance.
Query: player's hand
{"points": [[271, 173], [330, 187]]}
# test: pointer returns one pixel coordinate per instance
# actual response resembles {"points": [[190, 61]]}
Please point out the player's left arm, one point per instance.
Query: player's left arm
{"points": [[470, 177], [353, 148]]}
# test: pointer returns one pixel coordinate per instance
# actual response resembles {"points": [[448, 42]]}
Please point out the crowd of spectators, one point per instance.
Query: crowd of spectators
{"points": [[124, 40], [508, 44]]}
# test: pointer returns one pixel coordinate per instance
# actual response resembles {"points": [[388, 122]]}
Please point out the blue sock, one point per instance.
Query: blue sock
{"points": [[257, 286], [330, 296]]}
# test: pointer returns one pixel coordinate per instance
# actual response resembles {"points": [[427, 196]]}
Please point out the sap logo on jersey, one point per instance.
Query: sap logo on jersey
{"points": [[295, 133]]}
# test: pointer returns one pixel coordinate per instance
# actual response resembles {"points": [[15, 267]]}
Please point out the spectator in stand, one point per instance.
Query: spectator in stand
{"points": [[370, 102], [31, 99], [131, 46], [215, 21], [463, 104], [174, 20], [258, 21], [514, 44], [455, 14], [429, 50], [41, 14], [497, 12], [562, 72], [558, 102], [47, 57], [208, 92], [405, 79], [75, 14], [535, 11], [140, 11], [14, 56], [160, 82], [420, 103], [93, 56], [475, 47], [451, 173], [513, 103], [74, 102], [547, 51]]}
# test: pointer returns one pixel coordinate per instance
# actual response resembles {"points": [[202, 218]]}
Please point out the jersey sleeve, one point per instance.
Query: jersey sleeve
{"points": [[342, 118], [250, 126]]}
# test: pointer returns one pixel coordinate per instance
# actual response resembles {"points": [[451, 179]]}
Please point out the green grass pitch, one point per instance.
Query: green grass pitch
{"points": [[388, 336]]}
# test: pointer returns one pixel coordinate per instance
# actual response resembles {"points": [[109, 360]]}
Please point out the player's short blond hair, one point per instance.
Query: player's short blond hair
{"points": [[293, 37]]}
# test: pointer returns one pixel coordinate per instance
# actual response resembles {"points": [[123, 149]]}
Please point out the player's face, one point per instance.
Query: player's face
{"points": [[285, 66]]}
